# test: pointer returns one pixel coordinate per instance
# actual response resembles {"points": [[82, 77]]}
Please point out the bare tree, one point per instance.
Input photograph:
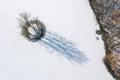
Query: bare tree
{"points": [[27, 22]]}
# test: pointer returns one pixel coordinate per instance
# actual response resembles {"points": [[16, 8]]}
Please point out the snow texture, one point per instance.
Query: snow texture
{"points": [[72, 19]]}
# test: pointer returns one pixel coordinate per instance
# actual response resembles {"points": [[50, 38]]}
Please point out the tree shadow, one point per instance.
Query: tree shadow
{"points": [[63, 47]]}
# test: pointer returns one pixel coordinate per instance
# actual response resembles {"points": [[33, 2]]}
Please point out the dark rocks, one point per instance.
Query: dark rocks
{"points": [[108, 16], [98, 32]]}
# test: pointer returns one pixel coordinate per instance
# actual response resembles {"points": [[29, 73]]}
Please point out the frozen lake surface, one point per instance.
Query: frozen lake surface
{"points": [[72, 19]]}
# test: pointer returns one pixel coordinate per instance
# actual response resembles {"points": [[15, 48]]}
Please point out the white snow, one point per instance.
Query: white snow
{"points": [[24, 60]]}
